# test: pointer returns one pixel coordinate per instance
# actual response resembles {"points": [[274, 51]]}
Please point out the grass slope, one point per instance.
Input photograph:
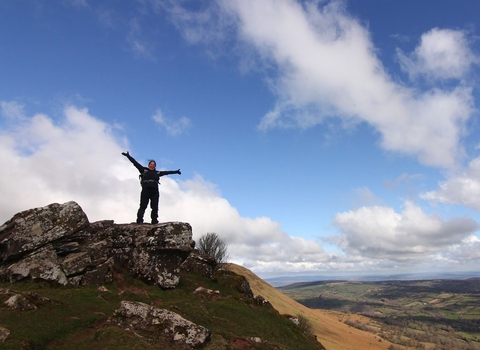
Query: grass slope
{"points": [[79, 318], [328, 325]]}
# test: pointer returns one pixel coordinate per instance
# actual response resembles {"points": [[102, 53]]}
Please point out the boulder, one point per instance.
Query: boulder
{"points": [[20, 303], [199, 263], [41, 264], [24, 301], [34, 228], [58, 244], [153, 323]]}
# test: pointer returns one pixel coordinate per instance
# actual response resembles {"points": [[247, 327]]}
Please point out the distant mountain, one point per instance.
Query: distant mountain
{"points": [[287, 280]]}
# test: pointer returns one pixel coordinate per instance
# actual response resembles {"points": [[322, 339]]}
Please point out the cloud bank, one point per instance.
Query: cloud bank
{"points": [[379, 232]]}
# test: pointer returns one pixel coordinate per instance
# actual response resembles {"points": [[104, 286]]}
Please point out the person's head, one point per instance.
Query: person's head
{"points": [[152, 164]]}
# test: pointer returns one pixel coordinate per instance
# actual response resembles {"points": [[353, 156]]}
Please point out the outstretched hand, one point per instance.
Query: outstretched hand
{"points": [[179, 172], [126, 154]]}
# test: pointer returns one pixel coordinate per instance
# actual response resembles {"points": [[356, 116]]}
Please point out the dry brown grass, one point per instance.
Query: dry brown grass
{"points": [[327, 325]]}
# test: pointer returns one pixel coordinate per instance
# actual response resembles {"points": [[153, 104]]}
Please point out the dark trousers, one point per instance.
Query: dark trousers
{"points": [[148, 194]]}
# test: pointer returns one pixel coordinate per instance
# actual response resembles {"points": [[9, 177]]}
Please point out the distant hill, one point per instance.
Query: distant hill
{"points": [[328, 325], [418, 314], [286, 280]]}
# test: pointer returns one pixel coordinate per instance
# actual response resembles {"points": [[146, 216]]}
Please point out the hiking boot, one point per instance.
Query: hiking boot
{"points": [[154, 222], [139, 221]]}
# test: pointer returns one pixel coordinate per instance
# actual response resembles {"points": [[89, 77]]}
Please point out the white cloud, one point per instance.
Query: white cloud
{"points": [[463, 188], [467, 252], [381, 233], [249, 239], [173, 127], [325, 65], [441, 54], [74, 159]]}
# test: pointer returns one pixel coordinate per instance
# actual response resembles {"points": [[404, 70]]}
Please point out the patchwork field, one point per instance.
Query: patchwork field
{"points": [[427, 314]]}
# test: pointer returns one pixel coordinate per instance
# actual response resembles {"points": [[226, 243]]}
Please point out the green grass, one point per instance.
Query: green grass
{"points": [[77, 317]]}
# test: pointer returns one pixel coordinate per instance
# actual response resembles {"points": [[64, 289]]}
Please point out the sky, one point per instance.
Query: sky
{"points": [[318, 137]]}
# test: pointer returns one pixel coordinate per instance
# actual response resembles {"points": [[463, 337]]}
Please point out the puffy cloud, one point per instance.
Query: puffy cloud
{"points": [[466, 252], [463, 188], [441, 54], [76, 158], [249, 239], [325, 65], [381, 233]]}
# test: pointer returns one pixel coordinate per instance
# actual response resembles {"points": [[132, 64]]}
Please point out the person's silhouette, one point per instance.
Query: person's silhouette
{"points": [[149, 179]]}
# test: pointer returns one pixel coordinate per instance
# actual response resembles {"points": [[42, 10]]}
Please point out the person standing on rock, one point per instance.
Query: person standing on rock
{"points": [[149, 179]]}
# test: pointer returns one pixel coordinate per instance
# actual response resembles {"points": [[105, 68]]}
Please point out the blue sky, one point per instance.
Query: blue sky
{"points": [[315, 137]]}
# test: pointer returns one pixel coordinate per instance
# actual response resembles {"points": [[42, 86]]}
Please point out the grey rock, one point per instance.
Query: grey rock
{"points": [[102, 274], [34, 228], [19, 302], [41, 264], [76, 263], [152, 323], [199, 263]]}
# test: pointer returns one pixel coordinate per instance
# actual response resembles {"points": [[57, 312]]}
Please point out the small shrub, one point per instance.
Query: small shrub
{"points": [[305, 325], [211, 244]]}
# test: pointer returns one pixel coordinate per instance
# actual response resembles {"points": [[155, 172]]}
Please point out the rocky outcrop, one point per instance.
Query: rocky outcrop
{"points": [[57, 243], [151, 323]]}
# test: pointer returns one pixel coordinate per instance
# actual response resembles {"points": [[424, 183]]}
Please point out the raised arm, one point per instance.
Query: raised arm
{"points": [[134, 162], [169, 172]]}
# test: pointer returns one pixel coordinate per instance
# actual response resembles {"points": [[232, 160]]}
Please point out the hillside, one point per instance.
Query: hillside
{"points": [[328, 325], [83, 318], [67, 283]]}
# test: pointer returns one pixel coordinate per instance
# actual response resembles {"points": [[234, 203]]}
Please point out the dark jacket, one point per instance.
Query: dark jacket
{"points": [[150, 178]]}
